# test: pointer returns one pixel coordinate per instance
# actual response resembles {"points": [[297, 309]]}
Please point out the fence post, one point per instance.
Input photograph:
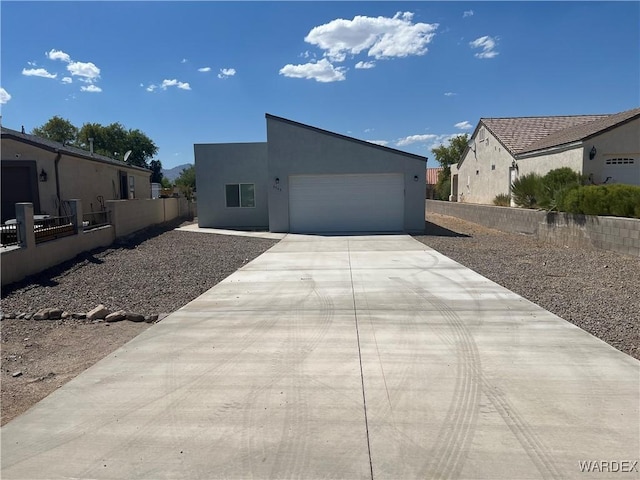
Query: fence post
{"points": [[75, 206], [24, 217]]}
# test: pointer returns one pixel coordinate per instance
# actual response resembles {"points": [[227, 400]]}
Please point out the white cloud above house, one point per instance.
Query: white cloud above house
{"points": [[4, 96], [488, 46], [464, 125], [38, 72], [383, 143], [86, 71], [378, 37], [67, 80], [421, 138], [58, 55], [151, 88], [226, 72], [450, 94], [204, 69], [175, 83], [91, 89], [467, 13], [320, 71], [365, 65]]}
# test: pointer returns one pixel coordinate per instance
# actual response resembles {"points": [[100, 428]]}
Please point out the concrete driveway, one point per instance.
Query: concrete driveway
{"points": [[343, 357]]}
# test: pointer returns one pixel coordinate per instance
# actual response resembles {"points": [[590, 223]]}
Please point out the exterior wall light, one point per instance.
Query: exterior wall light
{"points": [[415, 178], [592, 153], [43, 176], [277, 181]]}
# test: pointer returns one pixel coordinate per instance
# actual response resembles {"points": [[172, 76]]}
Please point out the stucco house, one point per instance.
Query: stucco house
{"points": [[605, 148], [47, 173], [305, 179]]}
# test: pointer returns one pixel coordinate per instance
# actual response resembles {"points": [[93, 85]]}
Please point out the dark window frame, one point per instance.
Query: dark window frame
{"points": [[239, 201]]}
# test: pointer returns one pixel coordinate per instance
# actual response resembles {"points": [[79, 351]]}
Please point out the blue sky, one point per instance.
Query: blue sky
{"points": [[207, 72]]}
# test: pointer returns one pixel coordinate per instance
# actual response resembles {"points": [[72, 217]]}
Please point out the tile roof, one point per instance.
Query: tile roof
{"points": [[57, 146], [582, 131], [517, 133]]}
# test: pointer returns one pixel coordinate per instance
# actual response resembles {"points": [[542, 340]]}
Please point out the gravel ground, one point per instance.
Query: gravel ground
{"points": [[596, 290], [155, 272]]}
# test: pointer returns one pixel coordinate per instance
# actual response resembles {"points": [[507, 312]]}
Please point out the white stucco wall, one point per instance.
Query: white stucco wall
{"points": [[620, 142], [483, 174]]}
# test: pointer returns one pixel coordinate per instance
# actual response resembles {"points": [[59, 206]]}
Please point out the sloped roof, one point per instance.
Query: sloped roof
{"points": [[582, 131], [57, 146], [518, 133], [345, 137]]}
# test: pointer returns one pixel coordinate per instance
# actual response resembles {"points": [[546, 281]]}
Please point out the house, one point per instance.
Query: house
{"points": [[604, 148], [47, 173], [305, 179], [432, 181]]}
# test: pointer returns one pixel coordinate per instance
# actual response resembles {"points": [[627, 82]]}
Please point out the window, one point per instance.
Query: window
{"points": [[481, 135], [620, 161], [240, 195], [132, 188]]}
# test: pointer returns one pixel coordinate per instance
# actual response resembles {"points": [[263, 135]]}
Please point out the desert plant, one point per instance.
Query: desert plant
{"points": [[617, 200], [555, 185], [502, 200], [525, 189]]}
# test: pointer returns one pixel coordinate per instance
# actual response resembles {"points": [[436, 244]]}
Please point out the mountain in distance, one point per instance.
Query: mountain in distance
{"points": [[173, 173]]}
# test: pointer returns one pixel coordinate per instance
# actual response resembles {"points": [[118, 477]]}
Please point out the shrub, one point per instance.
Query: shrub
{"points": [[617, 200], [555, 185], [502, 200], [443, 187], [525, 190]]}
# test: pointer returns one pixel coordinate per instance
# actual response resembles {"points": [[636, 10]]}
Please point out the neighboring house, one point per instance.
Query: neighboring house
{"points": [[432, 180], [604, 148], [304, 179], [47, 173]]}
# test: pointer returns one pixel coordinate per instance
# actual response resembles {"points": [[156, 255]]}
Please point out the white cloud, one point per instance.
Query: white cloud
{"points": [[67, 80], [322, 71], [204, 69], [415, 139], [38, 72], [463, 125], [58, 55], [384, 143], [4, 96], [184, 60], [367, 130], [87, 71], [226, 72], [365, 65], [174, 83], [151, 88], [32, 64], [488, 45], [380, 37], [467, 13], [449, 94], [90, 89]]}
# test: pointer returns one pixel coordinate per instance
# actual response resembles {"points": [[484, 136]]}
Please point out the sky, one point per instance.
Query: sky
{"points": [[408, 75]]}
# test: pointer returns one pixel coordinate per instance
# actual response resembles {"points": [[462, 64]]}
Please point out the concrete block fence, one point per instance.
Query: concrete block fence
{"points": [[616, 234]]}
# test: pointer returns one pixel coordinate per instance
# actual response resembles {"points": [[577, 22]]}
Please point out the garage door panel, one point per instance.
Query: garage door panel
{"points": [[346, 203]]}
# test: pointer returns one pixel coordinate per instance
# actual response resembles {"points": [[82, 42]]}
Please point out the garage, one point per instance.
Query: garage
{"points": [[346, 203]]}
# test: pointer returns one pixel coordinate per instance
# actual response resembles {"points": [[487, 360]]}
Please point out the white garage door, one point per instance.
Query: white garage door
{"points": [[346, 203]]}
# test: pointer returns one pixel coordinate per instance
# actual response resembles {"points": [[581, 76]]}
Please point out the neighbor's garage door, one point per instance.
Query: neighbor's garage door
{"points": [[346, 203]]}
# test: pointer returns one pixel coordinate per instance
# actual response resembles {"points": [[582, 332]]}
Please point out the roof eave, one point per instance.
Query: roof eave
{"points": [[545, 151]]}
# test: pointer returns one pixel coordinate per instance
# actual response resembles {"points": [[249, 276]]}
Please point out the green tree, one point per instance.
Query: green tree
{"points": [[57, 129], [447, 155], [156, 171], [186, 182], [115, 140], [166, 183]]}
